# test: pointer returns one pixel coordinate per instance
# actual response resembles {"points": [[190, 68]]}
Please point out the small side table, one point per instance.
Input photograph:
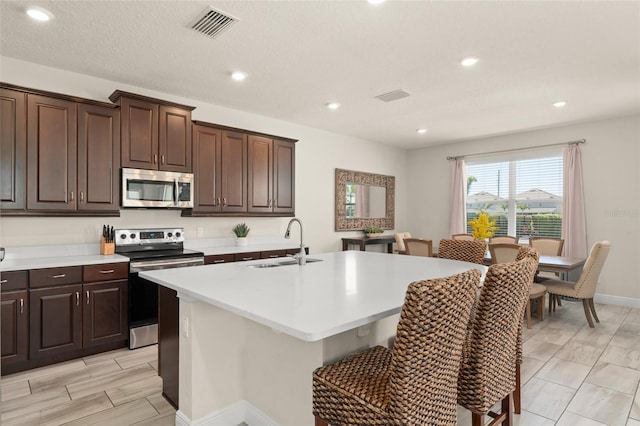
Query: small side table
{"points": [[362, 242]]}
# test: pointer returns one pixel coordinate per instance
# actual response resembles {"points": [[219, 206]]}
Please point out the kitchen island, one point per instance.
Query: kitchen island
{"points": [[251, 336]]}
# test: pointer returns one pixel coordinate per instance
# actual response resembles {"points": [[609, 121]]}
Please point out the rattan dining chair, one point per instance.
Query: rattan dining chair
{"points": [[418, 247], [507, 239], [487, 374], [467, 237], [399, 237], [585, 287], [465, 250], [414, 383]]}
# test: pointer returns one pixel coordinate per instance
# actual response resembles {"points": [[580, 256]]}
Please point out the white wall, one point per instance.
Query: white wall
{"points": [[318, 153], [611, 164]]}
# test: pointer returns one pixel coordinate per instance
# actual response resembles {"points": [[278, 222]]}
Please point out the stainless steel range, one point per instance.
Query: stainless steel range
{"points": [[150, 249]]}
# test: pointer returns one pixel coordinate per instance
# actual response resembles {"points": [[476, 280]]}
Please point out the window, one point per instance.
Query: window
{"points": [[524, 196]]}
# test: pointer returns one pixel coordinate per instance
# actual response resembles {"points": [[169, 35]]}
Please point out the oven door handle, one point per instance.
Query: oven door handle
{"points": [[164, 264]]}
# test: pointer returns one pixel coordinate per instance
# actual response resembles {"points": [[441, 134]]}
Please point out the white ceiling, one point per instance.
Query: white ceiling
{"points": [[299, 55]]}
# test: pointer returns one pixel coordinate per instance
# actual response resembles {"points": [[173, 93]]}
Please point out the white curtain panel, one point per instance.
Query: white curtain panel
{"points": [[457, 202], [574, 230]]}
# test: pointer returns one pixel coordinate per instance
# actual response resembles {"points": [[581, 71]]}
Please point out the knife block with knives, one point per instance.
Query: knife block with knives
{"points": [[107, 244]]}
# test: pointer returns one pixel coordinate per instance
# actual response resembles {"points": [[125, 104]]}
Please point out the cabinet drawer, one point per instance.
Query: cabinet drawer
{"points": [[105, 272], [273, 254], [14, 280], [218, 258], [246, 256], [55, 276]]}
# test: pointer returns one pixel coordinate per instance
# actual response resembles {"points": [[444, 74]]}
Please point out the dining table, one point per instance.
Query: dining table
{"points": [[555, 264]]}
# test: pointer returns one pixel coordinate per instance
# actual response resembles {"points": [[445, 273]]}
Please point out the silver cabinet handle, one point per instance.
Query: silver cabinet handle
{"points": [[107, 271], [58, 276], [218, 261], [77, 298], [224, 201], [247, 258], [218, 202], [82, 196], [87, 297], [21, 306], [273, 256], [162, 158], [72, 197], [155, 158], [3, 281]]}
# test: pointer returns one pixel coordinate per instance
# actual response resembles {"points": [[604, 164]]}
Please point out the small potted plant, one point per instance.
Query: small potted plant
{"points": [[241, 231], [373, 231]]}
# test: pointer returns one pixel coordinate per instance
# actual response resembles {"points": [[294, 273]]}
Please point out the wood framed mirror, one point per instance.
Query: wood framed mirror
{"points": [[364, 200]]}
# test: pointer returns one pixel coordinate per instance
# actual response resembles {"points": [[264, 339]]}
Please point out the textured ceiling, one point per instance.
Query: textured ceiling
{"points": [[299, 55]]}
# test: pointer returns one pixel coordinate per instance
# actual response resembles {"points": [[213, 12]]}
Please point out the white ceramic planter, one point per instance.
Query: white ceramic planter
{"points": [[242, 241]]}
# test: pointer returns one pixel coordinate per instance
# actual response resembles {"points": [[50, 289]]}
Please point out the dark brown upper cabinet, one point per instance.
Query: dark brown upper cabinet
{"points": [[155, 134], [271, 175], [98, 158], [13, 149], [51, 154], [220, 169]]}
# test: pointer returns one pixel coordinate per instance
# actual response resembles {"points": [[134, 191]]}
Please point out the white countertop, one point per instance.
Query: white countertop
{"points": [[345, 290]]}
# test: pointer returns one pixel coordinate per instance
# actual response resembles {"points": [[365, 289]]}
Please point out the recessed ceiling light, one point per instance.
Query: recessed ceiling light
{"points": [[333, 105], [39, 14], [469, 61], [421, 131], [559, 104], [238, 75]]}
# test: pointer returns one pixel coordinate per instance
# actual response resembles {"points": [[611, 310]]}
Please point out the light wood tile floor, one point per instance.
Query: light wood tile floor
{"points": [[572, 375]]}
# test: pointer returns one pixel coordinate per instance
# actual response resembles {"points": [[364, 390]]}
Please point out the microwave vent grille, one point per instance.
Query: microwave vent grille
{"points": [[213, 22]]}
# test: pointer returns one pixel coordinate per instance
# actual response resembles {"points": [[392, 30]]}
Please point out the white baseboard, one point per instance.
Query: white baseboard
{"points": [[233, 415], [617, 300]]}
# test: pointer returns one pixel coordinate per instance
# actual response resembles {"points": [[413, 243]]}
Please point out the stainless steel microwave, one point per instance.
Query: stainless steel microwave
{"points": [[156, 189]]}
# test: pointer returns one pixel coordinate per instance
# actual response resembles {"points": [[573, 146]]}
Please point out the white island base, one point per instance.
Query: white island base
{"points": [[234, 370]]}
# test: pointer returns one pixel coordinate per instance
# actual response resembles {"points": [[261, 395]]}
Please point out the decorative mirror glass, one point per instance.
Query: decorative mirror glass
{"points": [[364, 200]]}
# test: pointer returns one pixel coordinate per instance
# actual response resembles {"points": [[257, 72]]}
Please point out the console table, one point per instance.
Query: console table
{"points": [[361, 242]]}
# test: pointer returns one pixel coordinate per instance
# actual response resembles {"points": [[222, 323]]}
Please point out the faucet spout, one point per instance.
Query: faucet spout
{"points": [[302, 257]]}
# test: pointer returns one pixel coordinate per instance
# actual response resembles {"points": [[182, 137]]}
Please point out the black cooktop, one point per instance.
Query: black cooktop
{"points": [[162, 254]]}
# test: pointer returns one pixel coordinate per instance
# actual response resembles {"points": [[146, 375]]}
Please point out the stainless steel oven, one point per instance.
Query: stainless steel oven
{"points": [[156, 189], [150, 249]]}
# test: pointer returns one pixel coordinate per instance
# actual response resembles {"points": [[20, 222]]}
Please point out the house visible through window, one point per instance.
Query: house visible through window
{"points": [[524, 196]]}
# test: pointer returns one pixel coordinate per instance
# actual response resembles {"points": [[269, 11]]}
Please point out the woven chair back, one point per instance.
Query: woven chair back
{"points": [[418, 247], [465, 250], [427, 351], [487, 373]]}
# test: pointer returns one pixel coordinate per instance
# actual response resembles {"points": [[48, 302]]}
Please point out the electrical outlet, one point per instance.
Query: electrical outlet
{"points": [[199, 231], [185, 330]]}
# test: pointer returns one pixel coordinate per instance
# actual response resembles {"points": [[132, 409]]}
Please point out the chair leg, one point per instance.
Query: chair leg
{"points": [[320, 422], [541, 308], [587, 313], [516, 393], [593, 310], [476, 419], [528, 310], [506, 409]]}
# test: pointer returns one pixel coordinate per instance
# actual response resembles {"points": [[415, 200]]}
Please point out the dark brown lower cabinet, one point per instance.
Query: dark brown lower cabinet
{"points": [[169, 343], [55, 320], [15, 312], [104, 313]]}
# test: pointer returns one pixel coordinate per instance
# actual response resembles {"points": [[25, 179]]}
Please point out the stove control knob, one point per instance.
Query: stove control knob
{"points": [[178, 235], [133, 236], [123, 236], [169, 235]]}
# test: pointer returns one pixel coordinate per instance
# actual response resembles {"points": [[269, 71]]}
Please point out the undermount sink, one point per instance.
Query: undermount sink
{"points": [[282, 263]]}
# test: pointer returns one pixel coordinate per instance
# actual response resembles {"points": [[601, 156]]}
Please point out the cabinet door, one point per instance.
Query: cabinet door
{"points": [[139, 133], [260, 177], [98, 158], [234, 172], [14, 308], [174, 139], [284, 155], [206, 168], [51, 154], [55, 323], [13, 149], [104, 313]]}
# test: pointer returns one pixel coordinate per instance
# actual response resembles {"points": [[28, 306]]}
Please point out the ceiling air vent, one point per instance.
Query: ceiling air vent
{"points": [[213, 22], [393, 96]]}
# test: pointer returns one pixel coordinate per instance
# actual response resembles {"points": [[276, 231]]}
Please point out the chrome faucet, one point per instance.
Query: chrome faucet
{"points": [[302, 257]]}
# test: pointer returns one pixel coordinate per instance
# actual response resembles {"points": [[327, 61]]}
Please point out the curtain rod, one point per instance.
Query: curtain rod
{"points": [[578, 142]]}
